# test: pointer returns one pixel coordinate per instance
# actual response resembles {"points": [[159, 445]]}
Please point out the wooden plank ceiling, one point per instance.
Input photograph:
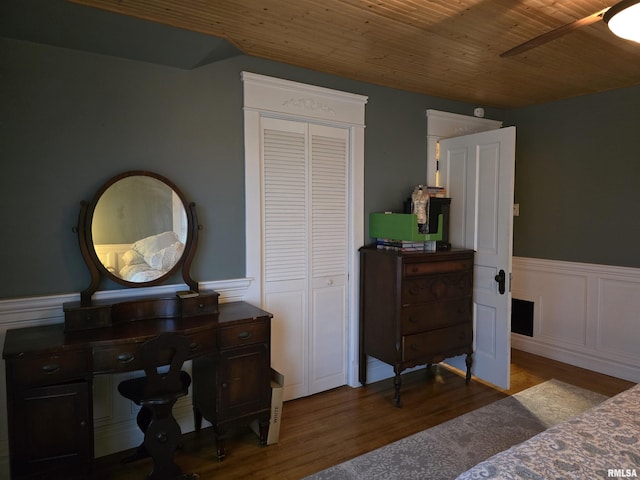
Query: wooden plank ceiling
{"points": [[445, 48]]}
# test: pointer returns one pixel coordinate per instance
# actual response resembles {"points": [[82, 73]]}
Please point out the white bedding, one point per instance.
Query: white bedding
{"points": [[151, 257]]}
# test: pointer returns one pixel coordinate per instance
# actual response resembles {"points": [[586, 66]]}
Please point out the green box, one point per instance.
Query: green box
{"points": [[401, 226]]}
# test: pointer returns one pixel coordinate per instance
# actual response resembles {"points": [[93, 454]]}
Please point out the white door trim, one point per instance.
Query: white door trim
{"points": [[441, 125], [273, 97]]}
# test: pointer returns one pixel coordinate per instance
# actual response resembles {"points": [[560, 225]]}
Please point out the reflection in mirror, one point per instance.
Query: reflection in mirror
{"points": [[139, 228]]}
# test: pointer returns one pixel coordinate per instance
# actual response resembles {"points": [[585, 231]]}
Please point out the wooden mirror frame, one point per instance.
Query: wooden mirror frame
{"points": [[98, 269]]}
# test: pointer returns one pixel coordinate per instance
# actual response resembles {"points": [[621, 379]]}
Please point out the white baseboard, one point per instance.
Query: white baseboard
{"points": [[579, 359], [378, 370]]}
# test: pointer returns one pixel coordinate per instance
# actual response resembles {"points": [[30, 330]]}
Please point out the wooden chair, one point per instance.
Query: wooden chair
{"points": [[156, 393]]}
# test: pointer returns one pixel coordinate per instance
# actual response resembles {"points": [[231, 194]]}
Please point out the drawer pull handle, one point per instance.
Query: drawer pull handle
{"points": [[51, 368], [245, 335], [194, 346], [126, 357], [201, 306]]}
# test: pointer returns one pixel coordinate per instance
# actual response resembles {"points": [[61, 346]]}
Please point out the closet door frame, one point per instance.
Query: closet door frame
{"points": [[272, 97]]}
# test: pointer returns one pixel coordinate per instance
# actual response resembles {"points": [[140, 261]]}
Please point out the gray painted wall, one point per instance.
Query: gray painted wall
{"points": [[71, 120], [578, 179]]}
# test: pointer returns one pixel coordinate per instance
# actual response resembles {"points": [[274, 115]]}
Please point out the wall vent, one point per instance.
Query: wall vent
{"points": [[522, 317]]}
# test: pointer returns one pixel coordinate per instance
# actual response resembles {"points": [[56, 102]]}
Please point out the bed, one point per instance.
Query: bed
{"points": [[600, 443], [144, 260]]}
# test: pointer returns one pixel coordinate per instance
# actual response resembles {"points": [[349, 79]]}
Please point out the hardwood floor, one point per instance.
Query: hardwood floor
{"points": [[334, 426]]}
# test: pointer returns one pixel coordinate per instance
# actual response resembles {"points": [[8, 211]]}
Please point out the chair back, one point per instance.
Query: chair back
{"points": [[165, 349]]}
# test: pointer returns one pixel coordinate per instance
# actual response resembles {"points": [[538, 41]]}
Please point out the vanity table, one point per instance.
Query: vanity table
{"points": [[50, 368], [50, 376]]}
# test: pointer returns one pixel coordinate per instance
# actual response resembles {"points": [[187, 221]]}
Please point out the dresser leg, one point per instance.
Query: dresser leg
{"points": [[263, 426], [362, 369], [397, 383], [221, 443], [468, 361], [221, 451], [197, 419]]}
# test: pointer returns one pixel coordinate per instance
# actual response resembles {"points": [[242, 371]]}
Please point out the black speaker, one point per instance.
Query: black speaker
{"points": [[437, 206]]}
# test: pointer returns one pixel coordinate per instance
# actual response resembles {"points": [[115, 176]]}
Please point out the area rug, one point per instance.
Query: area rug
{"points": [[446, 450]]}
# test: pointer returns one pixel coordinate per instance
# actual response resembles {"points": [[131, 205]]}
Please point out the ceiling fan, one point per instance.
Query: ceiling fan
{"points": [[623, 19]]}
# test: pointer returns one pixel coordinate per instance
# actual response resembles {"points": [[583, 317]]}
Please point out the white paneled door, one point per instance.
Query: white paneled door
{"points": [[305, 251], [478, 172]]}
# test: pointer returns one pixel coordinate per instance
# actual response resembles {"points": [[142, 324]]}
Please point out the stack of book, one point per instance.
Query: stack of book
{"points": [[405, 245], [434, 191]]}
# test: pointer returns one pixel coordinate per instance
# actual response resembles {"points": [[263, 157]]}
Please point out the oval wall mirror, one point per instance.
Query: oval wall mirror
{"points": [[137, 231]]}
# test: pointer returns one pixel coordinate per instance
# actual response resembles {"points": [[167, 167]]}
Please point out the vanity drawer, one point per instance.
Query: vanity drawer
{"points": [[203, 304], [246, 334], [433, 315], [124, 358], [50, 369], [423, 346], [117, 358], [202, 343], [436, 287], [85, 318]]}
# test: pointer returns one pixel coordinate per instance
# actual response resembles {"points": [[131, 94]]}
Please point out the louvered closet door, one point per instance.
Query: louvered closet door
{"points": [[329, 213], [304, 169]]}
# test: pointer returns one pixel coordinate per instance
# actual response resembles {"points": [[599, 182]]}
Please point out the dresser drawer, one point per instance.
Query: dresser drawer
{"points": [[433, 315], [431, 268], [202, 342], [124, 358], [246, 334], [423, 346], [203, 304], [116, 358], [436, 287], [50, 369], [85, 318]]}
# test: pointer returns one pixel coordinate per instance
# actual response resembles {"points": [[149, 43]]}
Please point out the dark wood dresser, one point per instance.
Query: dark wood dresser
{"points": [[416, 308], [50, 375]]}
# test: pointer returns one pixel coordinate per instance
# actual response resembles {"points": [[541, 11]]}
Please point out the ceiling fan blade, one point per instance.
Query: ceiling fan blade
{"points": [[553, 34]]}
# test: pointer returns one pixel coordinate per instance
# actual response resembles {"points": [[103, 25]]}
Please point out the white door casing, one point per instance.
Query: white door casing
{"points": [[441, 125], [269, 99], [478, 173]]}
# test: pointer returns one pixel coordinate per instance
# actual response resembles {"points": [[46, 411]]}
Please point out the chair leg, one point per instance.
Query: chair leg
{"points": [[161, 439], [145, 415]]}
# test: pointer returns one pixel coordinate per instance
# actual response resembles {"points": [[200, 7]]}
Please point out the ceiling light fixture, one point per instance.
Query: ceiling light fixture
{"points": [[623, 19]]}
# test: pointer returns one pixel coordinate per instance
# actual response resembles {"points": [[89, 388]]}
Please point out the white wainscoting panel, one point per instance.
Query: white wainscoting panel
{"points": [[115, 426], [584, 314]]}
